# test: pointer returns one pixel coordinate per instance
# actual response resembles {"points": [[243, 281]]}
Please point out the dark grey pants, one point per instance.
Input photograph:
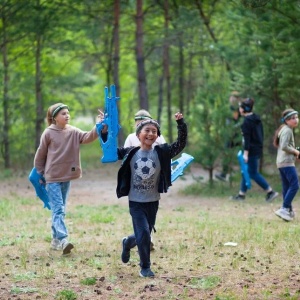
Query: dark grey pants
{"points": [[143, 220]]}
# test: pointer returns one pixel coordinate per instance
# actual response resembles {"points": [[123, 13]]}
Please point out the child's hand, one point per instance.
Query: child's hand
{"points": [[178, 116], [101, 120]]}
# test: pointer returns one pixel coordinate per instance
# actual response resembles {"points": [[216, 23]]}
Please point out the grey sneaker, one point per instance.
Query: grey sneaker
{"points": [[271, 196], [55, 245], [284, 213], [146, 272], [66, 247], [238, 197], [292, 213], [125, 256]]}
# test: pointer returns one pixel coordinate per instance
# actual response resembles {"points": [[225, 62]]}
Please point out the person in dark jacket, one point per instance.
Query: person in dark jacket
{"points": [[253, 136], [144, 174]]}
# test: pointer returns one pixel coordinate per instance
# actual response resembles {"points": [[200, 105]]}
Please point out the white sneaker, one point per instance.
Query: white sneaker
{"points": [[55, 245], [284, 213], [66, 247], [62, 245]]}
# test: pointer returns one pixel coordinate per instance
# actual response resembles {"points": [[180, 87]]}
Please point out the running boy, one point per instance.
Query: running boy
{"points": [[253, 136], [144, 174]]}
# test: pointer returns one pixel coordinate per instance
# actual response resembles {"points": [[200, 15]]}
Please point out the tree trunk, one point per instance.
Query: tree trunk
{"points": [[6, 126], [116, 60], [166, 63], [206, 22], [38, 92], [189, 83], [38, 86], [181, 76], [140, 59], [160, 98]]}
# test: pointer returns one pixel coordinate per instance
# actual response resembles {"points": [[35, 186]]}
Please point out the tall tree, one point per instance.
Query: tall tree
{"points": [[6, 125], [166, 68], [140, 59], [38, 76], [10, 35], [116, 59]]}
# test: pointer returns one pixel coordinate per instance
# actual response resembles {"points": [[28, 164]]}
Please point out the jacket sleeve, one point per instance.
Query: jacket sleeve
{"points": [[86, 137], [41, 153], [246, 131], [178, 146], [286, 141]]}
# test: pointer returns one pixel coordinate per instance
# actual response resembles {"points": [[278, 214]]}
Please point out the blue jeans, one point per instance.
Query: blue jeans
{"points": [[290, 185], [58, 193], [143, 217], [253, 164]]}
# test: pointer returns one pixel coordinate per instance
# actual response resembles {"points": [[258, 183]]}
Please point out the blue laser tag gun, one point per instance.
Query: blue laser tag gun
{"points": [[179, 165], [244, 169], [111, 118], [34, 177]]}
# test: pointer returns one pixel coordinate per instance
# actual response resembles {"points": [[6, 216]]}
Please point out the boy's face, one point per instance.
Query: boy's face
{"points": [[148, 134]]}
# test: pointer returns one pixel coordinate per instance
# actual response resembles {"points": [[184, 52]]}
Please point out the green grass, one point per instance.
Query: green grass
{"points": [[190, 260]]}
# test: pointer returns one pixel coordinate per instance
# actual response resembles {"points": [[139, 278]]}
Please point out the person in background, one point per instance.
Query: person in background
{"points": [[145, 173], [132, 140], [58, 160], [285, 161], [233, 125], [253, 136]]}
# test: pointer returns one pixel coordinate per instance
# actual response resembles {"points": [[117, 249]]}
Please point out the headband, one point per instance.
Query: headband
{"points": [[142, 118], [149, 121], [294, 112], [58, 108]]}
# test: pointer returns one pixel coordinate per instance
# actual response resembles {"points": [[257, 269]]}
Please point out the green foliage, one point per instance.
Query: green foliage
{"points": [[205, 283], [66, 295], [24, 290], [250, 45], [99, 214], [25, 276], [88, 281]]}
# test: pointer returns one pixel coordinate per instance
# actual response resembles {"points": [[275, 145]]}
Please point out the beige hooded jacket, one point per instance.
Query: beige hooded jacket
{"points": [[58, 155]]}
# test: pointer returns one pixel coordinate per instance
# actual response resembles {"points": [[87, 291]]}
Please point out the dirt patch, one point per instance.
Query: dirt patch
{"points": [[99, 186]]}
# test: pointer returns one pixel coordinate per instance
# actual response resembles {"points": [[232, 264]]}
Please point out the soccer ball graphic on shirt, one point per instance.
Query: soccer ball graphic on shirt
{"points": [[144, 167]]}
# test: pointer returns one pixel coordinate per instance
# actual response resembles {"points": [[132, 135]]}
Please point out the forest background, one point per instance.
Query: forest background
{"points": [[163, 56]]}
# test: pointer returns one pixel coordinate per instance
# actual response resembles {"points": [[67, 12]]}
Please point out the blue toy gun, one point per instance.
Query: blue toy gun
{"points": [[180, 164], [34, 177], [244, 169], [109, 147]]}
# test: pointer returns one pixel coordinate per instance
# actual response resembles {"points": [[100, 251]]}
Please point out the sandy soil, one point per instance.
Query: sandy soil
{"points": [[98, 186]]}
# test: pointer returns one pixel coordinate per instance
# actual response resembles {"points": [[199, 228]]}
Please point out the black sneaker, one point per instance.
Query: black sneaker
{"points": [[238, 197], [125, 252], [221, 176], [271, 196], [146, 272]]}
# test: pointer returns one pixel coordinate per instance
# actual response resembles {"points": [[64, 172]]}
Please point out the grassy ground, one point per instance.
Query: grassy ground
{"points": [[191, 259]]}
